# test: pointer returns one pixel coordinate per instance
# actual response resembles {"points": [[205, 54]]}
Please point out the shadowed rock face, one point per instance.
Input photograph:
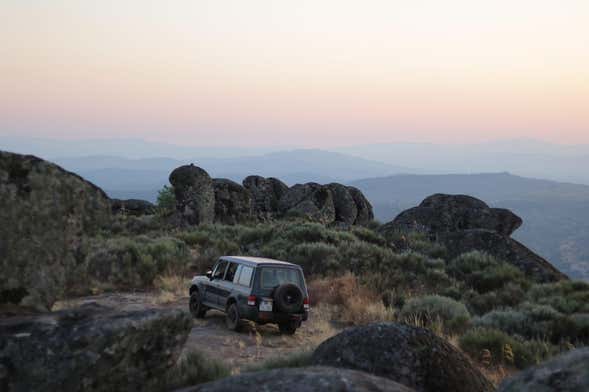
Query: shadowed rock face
{"points": [[345, 206], [90, 348], [310, 200], [411, 356], [309, 379], [45, 213], [195, 195], [233, 203], [363, 206], [265, 193], [133, 207], [566, 373]]}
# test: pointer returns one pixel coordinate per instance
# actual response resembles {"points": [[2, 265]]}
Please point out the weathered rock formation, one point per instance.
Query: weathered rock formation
{"points": [[414, 357], [195, 194], [90, 348], [233, 203], [45, 212], [566, 373], [310, 200], [133, 207], [265, 193], [346, 210], [365, 213], [309, 379], [463, 223]]}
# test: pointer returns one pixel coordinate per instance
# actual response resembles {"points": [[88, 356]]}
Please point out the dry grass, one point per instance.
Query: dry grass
{"points": [[170, 288]]}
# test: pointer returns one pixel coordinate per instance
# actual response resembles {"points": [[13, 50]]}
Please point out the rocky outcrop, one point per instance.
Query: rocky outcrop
{"points": [[309, 379], [310, 200], [90, 348], [45, 213], [414, 357], [134, 207], [265, 194], [566, 373], [233, 203], [346, 211], [363, 206], [195, 195], [451, 213]]}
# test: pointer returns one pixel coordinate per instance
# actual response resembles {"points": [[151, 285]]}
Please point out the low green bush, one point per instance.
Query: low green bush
{"points": [[193, 368], [292, 360], [452, 313]]}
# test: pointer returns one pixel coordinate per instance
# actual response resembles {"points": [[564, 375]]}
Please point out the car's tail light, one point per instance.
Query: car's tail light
{"points": [[306, 303], [251, 300]]}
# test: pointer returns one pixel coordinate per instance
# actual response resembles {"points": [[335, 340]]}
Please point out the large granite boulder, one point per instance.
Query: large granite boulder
{"points": [[90, 348], [346, 210], [307, 379], [363, 206], [411, 356], [310, 200], [566, 373], [134, 207], [45, 213], [503, 248], [233, 203], [195, 194], [442, 213], [265, 194]]}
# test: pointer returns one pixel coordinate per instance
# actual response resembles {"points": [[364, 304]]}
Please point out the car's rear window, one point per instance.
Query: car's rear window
{"points": [[271, 277]]}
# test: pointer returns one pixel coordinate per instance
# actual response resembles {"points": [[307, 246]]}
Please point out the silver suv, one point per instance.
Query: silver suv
{"points": [[253, 288]]}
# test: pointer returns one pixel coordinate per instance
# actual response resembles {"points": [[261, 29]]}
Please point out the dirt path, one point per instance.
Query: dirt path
{"points": [[252, 345]]}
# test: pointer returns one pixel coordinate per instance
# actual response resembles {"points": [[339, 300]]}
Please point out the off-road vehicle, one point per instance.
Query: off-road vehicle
{"points": [[252, 288]]}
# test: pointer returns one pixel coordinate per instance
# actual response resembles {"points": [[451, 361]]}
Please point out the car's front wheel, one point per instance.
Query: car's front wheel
{"points": [[232, 318], [197, 309], [288, 328]]}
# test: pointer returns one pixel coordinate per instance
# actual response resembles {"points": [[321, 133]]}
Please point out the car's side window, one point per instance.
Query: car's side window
{"points": [[245, 277], [236, 277], [220, 269], [231, 272]]}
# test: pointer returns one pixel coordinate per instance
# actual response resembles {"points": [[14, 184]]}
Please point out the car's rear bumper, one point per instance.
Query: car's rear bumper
{"points": [[253, 314]]}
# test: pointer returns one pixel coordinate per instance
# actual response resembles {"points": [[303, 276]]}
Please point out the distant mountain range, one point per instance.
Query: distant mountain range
{"points": [[556, 215]]}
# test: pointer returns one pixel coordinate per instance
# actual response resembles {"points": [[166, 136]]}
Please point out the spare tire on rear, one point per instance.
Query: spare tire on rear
{"points": [[288, 298]]}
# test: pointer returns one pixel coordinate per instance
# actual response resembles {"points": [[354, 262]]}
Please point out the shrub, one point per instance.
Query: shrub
{"points": [[315, 258], [292, 360], [367, 235], [453, 314], [191, 369], [166, 200]]}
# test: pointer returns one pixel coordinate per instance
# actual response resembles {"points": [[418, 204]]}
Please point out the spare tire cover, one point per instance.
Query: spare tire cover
{"points": [[288, 298]]}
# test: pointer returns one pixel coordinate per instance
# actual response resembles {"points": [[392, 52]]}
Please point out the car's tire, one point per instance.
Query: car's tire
{"points": [[288, 328], [232, 318], [197, 309], [288, 298]]}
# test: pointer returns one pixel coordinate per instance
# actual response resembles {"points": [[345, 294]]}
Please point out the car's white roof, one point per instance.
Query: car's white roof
{"points": [[256, 260]]}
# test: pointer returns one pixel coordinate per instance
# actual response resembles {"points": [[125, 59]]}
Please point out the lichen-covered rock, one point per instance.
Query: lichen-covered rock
{"points": [[310, 200], [90, 348], [195, 195], [345, 206], [566, 373], [411, 356], [45, 213], [442, 213], [503, 248], [307, 379], [265, 194], [134, 207], [233, 203], [363, 206]]}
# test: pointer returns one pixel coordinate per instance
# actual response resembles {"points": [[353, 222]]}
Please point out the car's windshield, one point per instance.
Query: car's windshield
{"points": [[275, 276]]}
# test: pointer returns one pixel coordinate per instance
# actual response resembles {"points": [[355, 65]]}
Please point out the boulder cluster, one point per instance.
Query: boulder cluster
{"points": [[202, 199], [463, 223]]}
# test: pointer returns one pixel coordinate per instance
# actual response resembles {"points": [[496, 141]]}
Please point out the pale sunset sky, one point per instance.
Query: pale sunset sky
{"points": [[308, 72]]}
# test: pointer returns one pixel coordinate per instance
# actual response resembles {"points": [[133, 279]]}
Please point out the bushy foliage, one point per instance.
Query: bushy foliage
{"points": [[166, 200], [453, 314], [293, 360]]}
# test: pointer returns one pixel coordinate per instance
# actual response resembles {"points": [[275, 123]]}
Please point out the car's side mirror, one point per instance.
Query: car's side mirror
{"points": [[210, 275]]}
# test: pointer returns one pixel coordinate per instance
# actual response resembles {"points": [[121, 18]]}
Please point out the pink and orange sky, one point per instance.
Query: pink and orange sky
{"points": [[307, 72]]}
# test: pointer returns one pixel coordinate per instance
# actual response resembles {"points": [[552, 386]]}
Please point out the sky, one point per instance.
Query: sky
{"points": [[315, 73]]}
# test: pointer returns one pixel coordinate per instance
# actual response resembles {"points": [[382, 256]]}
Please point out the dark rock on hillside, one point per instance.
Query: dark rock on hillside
{"points": [[233, 203], [412, 356], [90, 348], [309, 200], [504, 248], [309, 379], [566, 373], [195, 195], [133, 207], [45, 213], [363, 206], [441, 213], [265, 193], [345, 206]]}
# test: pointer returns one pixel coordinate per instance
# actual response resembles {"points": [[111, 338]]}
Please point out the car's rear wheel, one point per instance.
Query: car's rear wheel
{"points": [[232, 318], [288, 328], [197, 309]]}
